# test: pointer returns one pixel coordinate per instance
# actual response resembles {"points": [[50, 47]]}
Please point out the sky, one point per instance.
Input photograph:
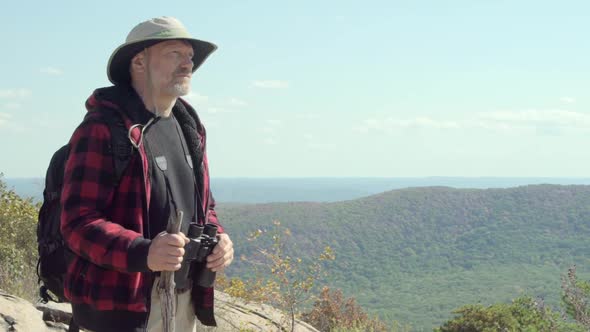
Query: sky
{"points": [[326, 88]]}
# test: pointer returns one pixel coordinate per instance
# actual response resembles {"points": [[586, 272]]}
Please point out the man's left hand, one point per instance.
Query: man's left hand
{"points": [[222, 255]]}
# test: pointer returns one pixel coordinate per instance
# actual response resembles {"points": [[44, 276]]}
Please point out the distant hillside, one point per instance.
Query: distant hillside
{"points": [[416, 254], [267, 190]]}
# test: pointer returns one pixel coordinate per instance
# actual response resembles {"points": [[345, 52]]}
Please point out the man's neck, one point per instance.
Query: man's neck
{"points": [[157, 104]]}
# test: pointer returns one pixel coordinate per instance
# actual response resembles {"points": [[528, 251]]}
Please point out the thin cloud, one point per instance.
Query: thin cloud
{"points": [[4, 118], [539, 120], [204, 103], [15, 93], [274, 122], [422, 122], [559, 118], [270, 141], [271, 127], [51, 71], [319, 146], [313, 144], [212, 124], [390, 124], [11, 106], [196, 98], [237, 102], [215, 110], [568, 100], [307, 116], [271, 84]]}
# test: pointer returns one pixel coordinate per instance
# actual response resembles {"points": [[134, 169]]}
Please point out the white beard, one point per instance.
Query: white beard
{"points": [[180, 89]]}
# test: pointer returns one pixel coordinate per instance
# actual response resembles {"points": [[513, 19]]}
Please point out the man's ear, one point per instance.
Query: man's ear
{"points": [[138, 62]]}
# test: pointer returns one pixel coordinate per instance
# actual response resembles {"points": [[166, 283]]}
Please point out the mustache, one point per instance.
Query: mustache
{"points": [[181, 71]]}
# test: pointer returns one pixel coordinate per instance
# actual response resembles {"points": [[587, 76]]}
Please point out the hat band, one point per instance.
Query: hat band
{"points": [[167, 33]]}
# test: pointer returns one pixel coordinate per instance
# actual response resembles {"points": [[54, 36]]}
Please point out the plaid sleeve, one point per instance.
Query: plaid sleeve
{"points": [[87, 193], [212, 215], [210, 202]]}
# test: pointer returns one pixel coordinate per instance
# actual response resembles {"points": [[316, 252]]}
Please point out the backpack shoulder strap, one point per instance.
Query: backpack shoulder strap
{"points": [[54, 178], [120, 146]]}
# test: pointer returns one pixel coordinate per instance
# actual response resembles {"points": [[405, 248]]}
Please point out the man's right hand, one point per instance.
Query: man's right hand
{"points": [[166, 251]]}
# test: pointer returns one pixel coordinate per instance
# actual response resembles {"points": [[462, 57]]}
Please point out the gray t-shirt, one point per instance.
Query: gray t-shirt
{"points": [[171, 175]]}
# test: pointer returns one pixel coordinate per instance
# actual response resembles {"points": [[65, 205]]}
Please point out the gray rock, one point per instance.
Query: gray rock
{"points": [[232, 315], [235, 314], [55, 312], [19, 315]]}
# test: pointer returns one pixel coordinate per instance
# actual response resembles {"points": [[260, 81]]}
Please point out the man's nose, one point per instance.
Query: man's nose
{"points": [[187, 62]]}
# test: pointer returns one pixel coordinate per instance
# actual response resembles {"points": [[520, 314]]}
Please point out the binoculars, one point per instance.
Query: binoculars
{"points": [[202, 241]]}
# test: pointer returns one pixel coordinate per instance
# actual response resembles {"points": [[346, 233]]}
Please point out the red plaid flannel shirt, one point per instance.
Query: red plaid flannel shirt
{"points": [[104, 224]]}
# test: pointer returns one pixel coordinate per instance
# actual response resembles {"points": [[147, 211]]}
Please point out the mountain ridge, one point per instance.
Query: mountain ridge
{"points": [[407, 253], [266, 190]]}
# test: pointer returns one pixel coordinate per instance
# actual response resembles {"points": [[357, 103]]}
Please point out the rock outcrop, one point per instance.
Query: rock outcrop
{"points": [[232, 314], [19, 315]]}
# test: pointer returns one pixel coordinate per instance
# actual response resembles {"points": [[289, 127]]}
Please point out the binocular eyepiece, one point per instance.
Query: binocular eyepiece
{"points": [[202, 241]]}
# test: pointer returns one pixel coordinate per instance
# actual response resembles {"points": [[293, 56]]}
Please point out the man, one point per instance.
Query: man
{"points": [[117, 230]]}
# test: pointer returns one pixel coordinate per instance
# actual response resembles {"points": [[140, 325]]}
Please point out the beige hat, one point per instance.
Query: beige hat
{"points": [[149, 33]]}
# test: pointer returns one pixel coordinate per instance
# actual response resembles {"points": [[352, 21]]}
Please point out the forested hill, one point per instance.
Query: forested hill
{"points": [[416, 254], [318, 189]]}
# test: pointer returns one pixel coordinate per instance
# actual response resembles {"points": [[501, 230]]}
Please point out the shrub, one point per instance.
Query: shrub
{"points": [[18, 243]]}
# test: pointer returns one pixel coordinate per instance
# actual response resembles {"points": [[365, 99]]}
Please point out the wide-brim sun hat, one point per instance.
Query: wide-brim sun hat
{"points": [[147, 34]]}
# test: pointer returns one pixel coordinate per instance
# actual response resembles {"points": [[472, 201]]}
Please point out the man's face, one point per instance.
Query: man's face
{"points": [[170, 67]]}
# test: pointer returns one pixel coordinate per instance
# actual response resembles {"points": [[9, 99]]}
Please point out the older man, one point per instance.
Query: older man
{"points": [[116, 228]]}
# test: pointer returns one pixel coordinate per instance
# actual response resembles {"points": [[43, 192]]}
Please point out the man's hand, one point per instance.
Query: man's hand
{"points": [[166, 251], [222, 255]]}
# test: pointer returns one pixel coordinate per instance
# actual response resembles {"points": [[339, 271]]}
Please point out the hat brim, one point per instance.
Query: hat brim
{"points": [[118, 67]]}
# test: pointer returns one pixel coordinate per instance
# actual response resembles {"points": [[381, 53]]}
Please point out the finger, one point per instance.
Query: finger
{"points": [[215, 256], [224, 239], [175, 240], [216, 250], [218, 269], [168, 250], [222, 263], [175, 261], [224, 246], [170, 259], [165, 265], [171, 267], [212, 260], [184, 238], [215, 265], [175, 251]]}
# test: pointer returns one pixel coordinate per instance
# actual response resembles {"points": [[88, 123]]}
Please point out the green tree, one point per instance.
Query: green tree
{"points": [[18, 247], [524, 314], [332, 312], [291, 280], [576, 297]]}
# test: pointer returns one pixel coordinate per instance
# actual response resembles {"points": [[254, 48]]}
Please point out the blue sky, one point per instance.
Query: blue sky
{"points": [[326, 88]]}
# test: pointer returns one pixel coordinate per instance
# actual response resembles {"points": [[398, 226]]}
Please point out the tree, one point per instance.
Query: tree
{"points": [[289, 284], [18, 247], [332, 311], [576, 297], [523, 314]]}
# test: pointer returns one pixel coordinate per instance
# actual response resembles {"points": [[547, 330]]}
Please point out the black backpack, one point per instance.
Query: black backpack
{"points": [[54, 255]]}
